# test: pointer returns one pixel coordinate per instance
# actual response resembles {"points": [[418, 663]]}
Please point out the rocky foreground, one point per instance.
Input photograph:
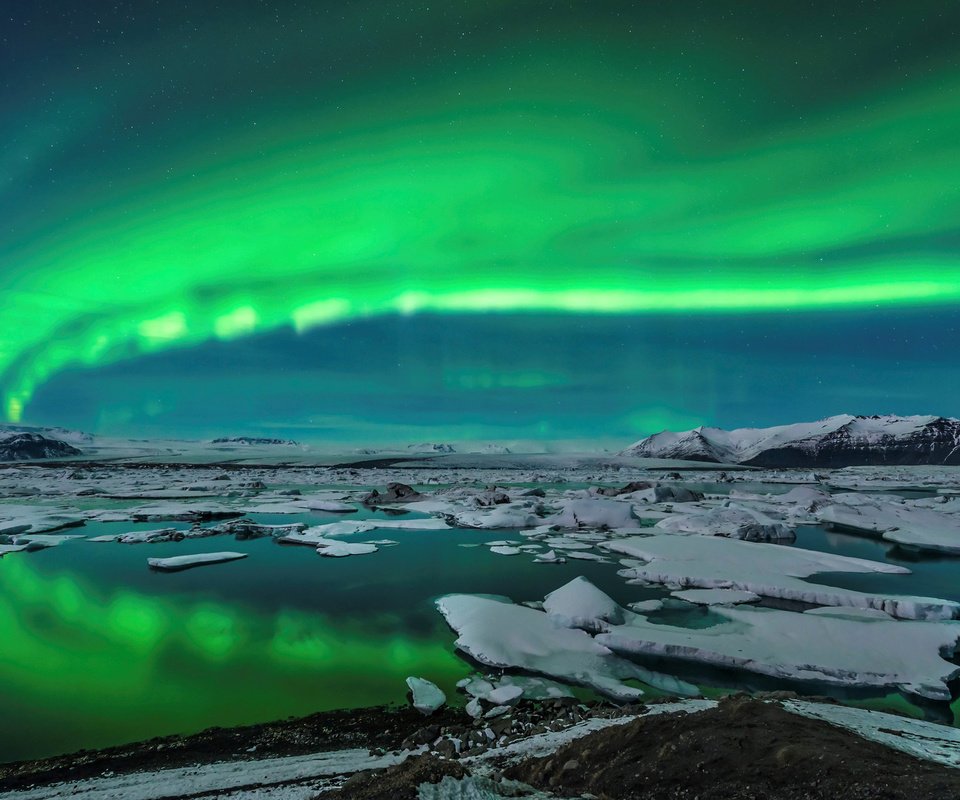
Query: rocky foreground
{"points": [[736, 749]]}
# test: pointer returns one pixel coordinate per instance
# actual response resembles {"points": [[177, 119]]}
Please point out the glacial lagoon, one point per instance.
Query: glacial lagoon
{"points": [[100, 650]]}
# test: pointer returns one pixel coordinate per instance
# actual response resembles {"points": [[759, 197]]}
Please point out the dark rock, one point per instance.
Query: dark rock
{"points": [[30, 446], [395, 493]]}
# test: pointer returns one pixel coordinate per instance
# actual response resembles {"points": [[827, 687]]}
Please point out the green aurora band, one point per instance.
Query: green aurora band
{"points": [[574, 179]]}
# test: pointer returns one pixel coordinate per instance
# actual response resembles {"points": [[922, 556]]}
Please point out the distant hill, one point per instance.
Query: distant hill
{"points": [[430, 447], [254, 440], [31, 446], [840, 441], [62, 434]]}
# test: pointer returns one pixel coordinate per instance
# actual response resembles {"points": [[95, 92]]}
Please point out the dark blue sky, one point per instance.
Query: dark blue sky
{"points": [[508, 377]]}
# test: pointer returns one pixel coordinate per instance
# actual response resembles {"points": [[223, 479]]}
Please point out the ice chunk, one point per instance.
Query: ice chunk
{"points": [[16, 519], [427, 696], [770, 570], [593, 513], [335, 549], [151, 536], [580, 604], [868, 652], [550, 557], [736, 522], [507, 515], [176, 563], [330, 506], [504, 695], [903, 524], [495, 632], [37, 541]]}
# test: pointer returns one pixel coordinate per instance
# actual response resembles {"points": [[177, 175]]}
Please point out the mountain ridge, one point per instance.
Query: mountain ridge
{"points": [[842, 440]]}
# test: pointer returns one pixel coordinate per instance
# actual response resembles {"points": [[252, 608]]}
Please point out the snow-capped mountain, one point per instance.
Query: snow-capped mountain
{"points": [[839, 441], [61, 434], [29, 446]]}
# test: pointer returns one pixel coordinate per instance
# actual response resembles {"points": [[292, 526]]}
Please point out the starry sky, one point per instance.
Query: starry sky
{"points": [[374, 222]]}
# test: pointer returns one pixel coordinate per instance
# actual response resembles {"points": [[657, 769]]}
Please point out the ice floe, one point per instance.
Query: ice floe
{"points": [[497, 633], [769, 570], [593, 513], [897, 522], [854, 650], [176, 563], [735, 522], [337, 549]]}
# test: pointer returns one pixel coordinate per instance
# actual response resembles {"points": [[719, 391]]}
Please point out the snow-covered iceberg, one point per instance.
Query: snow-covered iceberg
{"points": [[497, 633], [769, 570], [843, 647], [176, 563]]}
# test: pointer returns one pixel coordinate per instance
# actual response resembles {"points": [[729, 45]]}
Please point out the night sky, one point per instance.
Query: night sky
{"points": [[373, 222]]}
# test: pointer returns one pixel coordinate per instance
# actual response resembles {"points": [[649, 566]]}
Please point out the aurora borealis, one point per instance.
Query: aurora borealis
{"points": [[514, 220]]}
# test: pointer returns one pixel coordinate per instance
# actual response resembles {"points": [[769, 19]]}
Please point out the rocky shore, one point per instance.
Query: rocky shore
{"points": [[738, 749]]}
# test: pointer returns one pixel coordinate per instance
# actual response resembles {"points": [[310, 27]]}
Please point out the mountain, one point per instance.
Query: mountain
{"points": [[29, 446], [840, 441], [61, 434]]}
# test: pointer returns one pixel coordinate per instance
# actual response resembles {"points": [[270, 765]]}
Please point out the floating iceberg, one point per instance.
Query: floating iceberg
{"points": [[832, 646], [495, 632], [769, 570], [176, 563]]}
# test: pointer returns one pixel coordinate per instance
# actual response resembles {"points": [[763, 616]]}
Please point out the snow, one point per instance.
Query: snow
{"points": [[194, 560], [926, 740], [427, 696], [831, 648], [769, 570], [220, 779], [497, 633], [544, 744]]}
